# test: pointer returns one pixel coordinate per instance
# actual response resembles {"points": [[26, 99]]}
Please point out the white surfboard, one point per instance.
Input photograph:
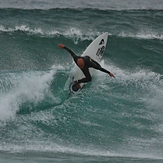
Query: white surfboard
{"points": [[95, 50]]}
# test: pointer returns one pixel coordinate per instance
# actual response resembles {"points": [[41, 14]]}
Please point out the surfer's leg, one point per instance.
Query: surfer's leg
{"points": [[87, 78]]}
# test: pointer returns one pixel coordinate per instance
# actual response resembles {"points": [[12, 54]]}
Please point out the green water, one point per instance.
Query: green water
{"points": [[110, 120]]}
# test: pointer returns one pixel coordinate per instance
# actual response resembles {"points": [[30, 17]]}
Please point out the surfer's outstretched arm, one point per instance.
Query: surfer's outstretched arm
{"points": [[74, 56], [97, 66]]}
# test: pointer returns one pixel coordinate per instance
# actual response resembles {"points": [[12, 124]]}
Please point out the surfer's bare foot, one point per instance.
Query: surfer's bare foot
{"points": [[77, 84]]}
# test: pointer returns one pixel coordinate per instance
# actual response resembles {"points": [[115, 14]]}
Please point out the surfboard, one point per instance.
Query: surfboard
{"points": [[95, 50]]}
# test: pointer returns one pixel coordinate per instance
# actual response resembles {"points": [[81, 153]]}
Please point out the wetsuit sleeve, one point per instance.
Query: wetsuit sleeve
{"points": [[103, 70], [75, 57], [97, 66]]}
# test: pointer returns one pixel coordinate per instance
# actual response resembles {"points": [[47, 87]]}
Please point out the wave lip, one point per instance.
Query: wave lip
{"points": [[74, 33], [142, 35], [78, 34], [22, 28]]}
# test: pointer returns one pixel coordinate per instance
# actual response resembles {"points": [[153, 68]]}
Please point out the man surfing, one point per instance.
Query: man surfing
{"points": [[84, 63]]}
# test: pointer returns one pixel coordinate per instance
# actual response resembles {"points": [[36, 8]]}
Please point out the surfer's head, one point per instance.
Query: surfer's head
{"points": [[80, 63]]}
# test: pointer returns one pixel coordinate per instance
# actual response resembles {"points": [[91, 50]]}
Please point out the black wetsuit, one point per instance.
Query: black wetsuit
{"points": [[89, 63]]}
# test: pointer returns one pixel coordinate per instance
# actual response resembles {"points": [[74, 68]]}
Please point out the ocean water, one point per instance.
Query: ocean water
{"points": [[111, 120]]}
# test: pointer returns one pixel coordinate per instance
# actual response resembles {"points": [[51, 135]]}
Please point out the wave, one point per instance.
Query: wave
{"points": [[21, 87], [70, 33], [106, 118], [147, 35], [78, 34], [83, 11], [22, 28], [78, 125], [104, 5], [96, 9], [70, 150], [30, 91]]}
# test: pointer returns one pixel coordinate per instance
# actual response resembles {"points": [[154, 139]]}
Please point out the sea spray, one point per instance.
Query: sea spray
{"points": [[31, 86]]}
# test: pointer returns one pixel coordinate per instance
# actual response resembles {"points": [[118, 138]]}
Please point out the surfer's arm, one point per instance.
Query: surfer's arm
{"points": [[69, 50], [97, 66], [106, 71]]}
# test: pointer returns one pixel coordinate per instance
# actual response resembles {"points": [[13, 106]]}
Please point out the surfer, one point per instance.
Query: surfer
{"points": [[84, 63]]}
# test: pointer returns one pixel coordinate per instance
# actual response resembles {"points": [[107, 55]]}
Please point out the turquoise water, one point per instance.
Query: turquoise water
{"points": [[110, 120]]}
